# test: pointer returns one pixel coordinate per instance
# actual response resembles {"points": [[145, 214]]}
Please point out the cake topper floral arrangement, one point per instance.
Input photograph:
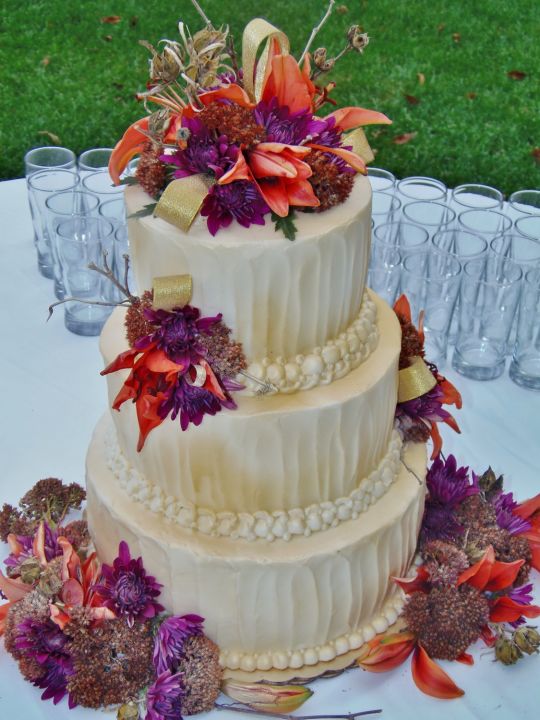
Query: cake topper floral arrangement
{"points": [[243, 141]]}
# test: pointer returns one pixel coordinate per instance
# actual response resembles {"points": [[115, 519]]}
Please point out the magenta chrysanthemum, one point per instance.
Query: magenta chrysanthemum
{"points": [[45, 643], [127, 590], [51, 547], [447, 487], [505, 505], [171, 638], [290, 128], [205, 152], [164, 697], [424, 410], [238, 201]]}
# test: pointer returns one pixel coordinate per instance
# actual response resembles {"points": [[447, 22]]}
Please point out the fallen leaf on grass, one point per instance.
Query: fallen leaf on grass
{"points": [[46, 60], [536, 154], [404, 138], [118, 86], [411, 99], [111, 19], [441, 27], [471, 95], [456, 37], [133, 21], [342, 9], [108, 38], [52, 137], [516, 75], [421, 78]]}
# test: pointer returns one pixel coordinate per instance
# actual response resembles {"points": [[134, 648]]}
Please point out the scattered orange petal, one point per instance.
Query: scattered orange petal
{"points": [[503, 575], [431, 679], [404, 138], [478, 574], [530, 506], [465, 658], [516, 75], [387, 652], [111, 19], [504, 609]]}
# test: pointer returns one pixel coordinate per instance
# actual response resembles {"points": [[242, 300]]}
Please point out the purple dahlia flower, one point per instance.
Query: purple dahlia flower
{"points": [[192, 403], [447, 487], [504, 505], [427, 407], [164, 697], [127, 590], [524, 596], [52, 549], [45, 643], [285, 127], [171, 638], [204, 152], [239, 200]]}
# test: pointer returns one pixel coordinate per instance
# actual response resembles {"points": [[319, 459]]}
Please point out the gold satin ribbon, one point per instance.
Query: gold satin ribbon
{"points": [[415, 380], [357, 138], [256, 32], [171, 291], [182, 200]]}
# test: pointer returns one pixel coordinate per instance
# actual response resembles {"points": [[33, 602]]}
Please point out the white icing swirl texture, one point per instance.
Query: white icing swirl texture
{"points": [[282, 524], [324, 364]]}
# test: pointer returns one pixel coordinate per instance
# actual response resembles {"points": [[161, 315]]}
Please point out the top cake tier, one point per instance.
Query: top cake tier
{"points": [[280, 297]]}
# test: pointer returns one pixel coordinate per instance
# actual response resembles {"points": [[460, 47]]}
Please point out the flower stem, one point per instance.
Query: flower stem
{"points": [[199, 9], [316, 29], [250, 711]]}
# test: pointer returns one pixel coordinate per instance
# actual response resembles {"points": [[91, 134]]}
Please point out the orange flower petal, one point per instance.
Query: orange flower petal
{"points": [[59, 617], [38, 544], [72, 592], [301, 194], [431, 679], [465, 658], [211, 382], [267, 164], [175, 124], [122, 362], [13, 589], [528, 507], [386, 652], [503, 575], [234, 93], [275, 147], [352, 117], [478, 575], [4, 609], [403, 308], [436, 438], [15, 547], [287, 83], [239, 171], [132, 143], [71, 562], [101, 613], [451, 422], [535, 551], [275, 196], [157, 361], [147, 415], [504, 609], [415, 584], [351, 158]]}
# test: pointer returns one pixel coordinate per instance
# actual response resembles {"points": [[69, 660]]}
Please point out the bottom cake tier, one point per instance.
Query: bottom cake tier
{"points": [[270, 605]]}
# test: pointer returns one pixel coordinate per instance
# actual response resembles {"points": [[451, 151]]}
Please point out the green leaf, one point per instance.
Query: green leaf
{"points": [[129, 180], [285, 224], [143, 212]]}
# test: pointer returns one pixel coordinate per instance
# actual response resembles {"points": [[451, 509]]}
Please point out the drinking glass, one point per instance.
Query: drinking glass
{"points": [[488, 223], [525, 201], [58, 207], [81, 241], [381, 180], [433, 216], [463, 244], [529, 226], [524, 251], [94, 159], [422, 188], [489, 297], [40, 186], [525, 365], [114, 210], [402, 235], [384, 207], [384, 274], [479, 197], [43, 158], [99, 183], [431, 280]]}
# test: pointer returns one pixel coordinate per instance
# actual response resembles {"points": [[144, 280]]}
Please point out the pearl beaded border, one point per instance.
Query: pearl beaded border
{"points": [[282, 524], [324, 364], [296, 659]]}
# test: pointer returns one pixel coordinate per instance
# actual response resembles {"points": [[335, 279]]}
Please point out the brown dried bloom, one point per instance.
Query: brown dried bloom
{"points": [[411, 344], [225, 356], [51, 499], [112, 661], [202, 674], [321, 60], [234, 121], [447, 619], [136, 324], [151, 171], [357, 39], [444, 562], [35, 605], [50, 582], [507, 547], [77, 534], [330, 184], [8, 516]]}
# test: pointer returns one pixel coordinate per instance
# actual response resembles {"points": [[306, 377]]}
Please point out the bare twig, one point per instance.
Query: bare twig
{"points": [[316, 29], [249, 711], [199, 9], [86, 302]]}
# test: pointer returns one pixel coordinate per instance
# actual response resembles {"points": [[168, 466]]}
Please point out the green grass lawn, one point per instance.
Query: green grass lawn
{"points": [[67, 73]]}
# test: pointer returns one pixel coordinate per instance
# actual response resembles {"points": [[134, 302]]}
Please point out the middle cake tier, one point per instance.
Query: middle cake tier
{"points": [[280, 453]]}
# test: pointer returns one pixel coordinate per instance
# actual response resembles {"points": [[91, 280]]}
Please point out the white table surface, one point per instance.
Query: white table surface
{"points": [[52, 395]]}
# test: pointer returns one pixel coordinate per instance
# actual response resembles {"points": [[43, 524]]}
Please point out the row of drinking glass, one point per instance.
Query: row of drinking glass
{"points": [[77, 214], [470, 285]]}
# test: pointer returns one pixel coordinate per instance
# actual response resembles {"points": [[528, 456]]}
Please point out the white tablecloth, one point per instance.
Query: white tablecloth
{"points": [[52, 395]]}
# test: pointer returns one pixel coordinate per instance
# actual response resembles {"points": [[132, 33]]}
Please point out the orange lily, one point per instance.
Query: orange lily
{"points": [[131, 144], [385, 652], [419, 583], [505, 609], [431, 679], [490, 574]]}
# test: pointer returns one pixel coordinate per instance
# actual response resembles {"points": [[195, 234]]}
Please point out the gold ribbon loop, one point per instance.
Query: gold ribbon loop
{"points": [[182, 200], [172, 291], [357, 138], [415, 380], [256, 32]]}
